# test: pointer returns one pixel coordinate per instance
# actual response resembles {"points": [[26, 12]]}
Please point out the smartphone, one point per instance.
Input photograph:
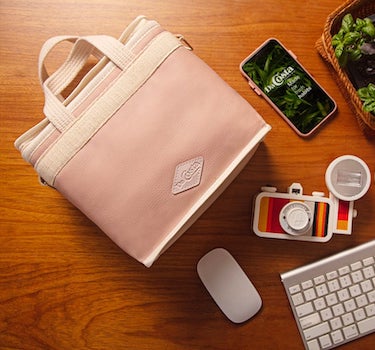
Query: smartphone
{"points": [[275, 74]]}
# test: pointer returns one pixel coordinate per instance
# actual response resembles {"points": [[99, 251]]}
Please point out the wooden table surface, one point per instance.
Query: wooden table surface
{"points": [[65, 285]]}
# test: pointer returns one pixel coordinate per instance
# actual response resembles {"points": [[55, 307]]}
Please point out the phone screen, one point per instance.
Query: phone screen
{"points": [[288, 87]]}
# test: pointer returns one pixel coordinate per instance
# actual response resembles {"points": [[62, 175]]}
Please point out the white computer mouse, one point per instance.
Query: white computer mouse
{"points": [[228, 285]]}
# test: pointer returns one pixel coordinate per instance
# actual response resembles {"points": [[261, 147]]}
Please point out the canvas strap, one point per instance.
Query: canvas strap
{"points": [[77, 131]]}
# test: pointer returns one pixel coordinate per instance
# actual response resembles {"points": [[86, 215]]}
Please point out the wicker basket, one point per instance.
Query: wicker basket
{"points": [[361, 9]]}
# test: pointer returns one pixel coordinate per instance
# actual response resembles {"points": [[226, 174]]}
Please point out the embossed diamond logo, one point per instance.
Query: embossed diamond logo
{"points": [[187, 175]]}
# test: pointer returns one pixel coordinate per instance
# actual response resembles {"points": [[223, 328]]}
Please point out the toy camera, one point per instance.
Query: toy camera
{"points": [[296, 216]]}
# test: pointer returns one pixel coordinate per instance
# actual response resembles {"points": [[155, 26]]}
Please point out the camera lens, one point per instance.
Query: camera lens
{"points": [[295, 218]]}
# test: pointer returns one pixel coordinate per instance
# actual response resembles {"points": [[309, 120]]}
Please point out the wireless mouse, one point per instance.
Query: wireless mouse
{"points": [[228, 285]]}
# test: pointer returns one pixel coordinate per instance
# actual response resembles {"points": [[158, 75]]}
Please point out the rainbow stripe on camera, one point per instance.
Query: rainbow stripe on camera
{"points": [[270, 208]]}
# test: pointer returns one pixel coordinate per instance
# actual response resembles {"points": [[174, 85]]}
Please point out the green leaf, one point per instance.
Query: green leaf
{"points": [[339, 50], [367, 95], [347, 22], [322, 109], [369, 28], [351, 38], [338, 37], [336, 40], [355, 55], [369, 107], [363, 94], [371, 89], [359, 24]]}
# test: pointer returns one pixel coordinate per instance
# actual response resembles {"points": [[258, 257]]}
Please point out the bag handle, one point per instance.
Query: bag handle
{"points": [[99, 45], [47, 47]]}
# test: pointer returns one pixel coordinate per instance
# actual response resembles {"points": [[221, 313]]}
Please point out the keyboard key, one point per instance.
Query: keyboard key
{"points": [[332, 275], [344, 270], [370, 310], [326, 314], [336, 323], [319, 304], [310, 294], [366, 286], [331, 299], [338, 310], [325, 341], [366, 325], [316, 331], [359, 314], [347, 319], [350, 331], [355, 291], [307, 284], [313, 345], [356, 266], [295, 289], [320, 279], [333, 285], [350, 305], [310, 321], [369, 261], [368, 272], [297, 299], [321, 290], [357, 276], [345, 281], [371, 296], [361, 300], [304, 309], [337, 337], [343, 294]]}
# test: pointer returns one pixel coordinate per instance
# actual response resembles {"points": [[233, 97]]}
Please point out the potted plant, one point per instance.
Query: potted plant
{"points": [[354, 46], [348, 28]]}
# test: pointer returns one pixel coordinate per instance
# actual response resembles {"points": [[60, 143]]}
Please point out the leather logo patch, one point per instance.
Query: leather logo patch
{"points": [[187, 175]]}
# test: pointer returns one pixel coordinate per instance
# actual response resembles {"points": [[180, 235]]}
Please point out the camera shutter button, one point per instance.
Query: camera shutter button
{"points": [[318, 194], [295, 218]]}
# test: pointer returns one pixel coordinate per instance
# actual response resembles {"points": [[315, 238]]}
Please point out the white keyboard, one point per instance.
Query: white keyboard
{"points": [[333, 299]]}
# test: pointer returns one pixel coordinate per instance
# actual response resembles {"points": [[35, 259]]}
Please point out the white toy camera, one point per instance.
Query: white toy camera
{"points": [[296, 216]]}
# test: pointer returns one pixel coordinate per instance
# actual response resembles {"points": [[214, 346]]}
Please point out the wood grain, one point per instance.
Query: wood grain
{"points": [[65, 285]]}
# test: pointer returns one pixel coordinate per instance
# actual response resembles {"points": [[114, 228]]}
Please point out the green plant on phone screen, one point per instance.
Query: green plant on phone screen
{"points": [[289, 88]]}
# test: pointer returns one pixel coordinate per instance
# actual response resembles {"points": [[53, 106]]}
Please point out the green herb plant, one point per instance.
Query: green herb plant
{"points": [[352, 35], [350, 44]]}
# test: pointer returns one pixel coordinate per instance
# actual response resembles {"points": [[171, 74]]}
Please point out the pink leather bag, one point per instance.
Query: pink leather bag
{"points": [[146, 141]]}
